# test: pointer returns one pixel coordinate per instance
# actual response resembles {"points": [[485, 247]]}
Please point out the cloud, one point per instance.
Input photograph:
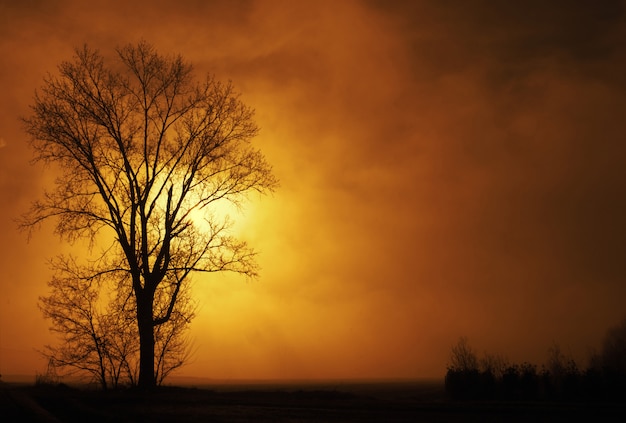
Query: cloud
{"points": [[445, 171]]}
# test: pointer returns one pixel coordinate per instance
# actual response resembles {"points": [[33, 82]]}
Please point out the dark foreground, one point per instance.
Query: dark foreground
{"points": [[348, 402]]}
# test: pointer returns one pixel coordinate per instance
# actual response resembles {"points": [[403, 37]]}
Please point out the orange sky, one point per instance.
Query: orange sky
{"points": [[445, 171]]}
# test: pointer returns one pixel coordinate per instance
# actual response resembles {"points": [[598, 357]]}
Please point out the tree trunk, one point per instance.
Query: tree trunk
{"points": [[147, 379]]}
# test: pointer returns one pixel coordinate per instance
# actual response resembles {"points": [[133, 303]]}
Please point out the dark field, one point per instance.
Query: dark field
{"points": [[284, 402]]}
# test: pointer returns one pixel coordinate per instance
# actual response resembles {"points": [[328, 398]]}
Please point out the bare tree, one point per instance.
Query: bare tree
{"points": [[494, 364], [462, 357], [613, 355], [559, 364], [97, 331], [142, 150], [72, 306]]}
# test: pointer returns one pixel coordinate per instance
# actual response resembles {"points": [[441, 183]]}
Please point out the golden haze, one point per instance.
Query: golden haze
{"points": [[445, 171]]}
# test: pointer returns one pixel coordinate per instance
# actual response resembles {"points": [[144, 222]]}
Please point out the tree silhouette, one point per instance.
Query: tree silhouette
{"points": [[610, 364], [143, 150], [95, 325], [462, 357], [463, 375]]}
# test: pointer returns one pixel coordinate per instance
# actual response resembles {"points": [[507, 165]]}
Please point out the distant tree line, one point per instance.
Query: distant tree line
{"points": [[493, 377]]}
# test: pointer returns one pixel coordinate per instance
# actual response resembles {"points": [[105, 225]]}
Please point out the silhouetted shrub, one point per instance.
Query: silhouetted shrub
{"points": [[561, 375], [49, 377], [488, 384], [593, 386], [510, 385], [613, 361], [560, 379], [571, 382], [462, 384], [463, 379], [529, 381]]}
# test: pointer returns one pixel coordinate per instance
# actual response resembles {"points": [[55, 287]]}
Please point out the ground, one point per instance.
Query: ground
{"points": [[340, 402]]}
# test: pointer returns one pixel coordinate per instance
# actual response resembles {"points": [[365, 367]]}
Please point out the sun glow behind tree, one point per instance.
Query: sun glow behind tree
{"points": [[146, 153]]}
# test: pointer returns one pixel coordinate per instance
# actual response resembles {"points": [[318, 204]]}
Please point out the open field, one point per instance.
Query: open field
{"points": [[282, 402]]}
